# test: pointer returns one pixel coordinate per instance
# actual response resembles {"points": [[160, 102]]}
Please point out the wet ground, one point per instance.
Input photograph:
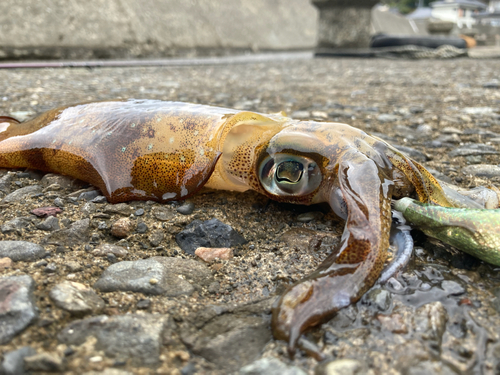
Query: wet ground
{"points": [[441, 315]]}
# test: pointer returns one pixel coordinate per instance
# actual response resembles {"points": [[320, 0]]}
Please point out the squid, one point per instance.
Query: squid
{"points": [[163, 151]]}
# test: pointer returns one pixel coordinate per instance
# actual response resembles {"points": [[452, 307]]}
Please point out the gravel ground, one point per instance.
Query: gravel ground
{"points": [[106, 288]]}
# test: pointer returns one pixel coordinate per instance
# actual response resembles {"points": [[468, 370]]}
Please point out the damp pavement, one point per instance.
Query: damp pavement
{"points": [[90, 287]]}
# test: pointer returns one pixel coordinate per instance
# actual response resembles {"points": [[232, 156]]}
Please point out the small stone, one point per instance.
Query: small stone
{"points": [[156, 237], [49, 224], [139, 212], [44, 362], [208, 254], [13, 362], [210, 233], [473, 149], [119, 336], [89, 208], [143, 304], [482, 170], [142, 227], [122, 227], [111, 258], [15, 225], [99, 199], [120, 208], [493, 84], [73, 266], [107, 248], [162, 213], [77, 233], [451, 130], [64, 182], [380, 298], [5, 263], [76, 298], [21, 251], [174, 276], [59, 202], [479, 110], [385, 117], [270, 366], [301, 115], [22, 193], [89, 195], [186, 209], [17, 306], [430, 320], [46, 211], [50, 268], [309, 216], [341, 367]]}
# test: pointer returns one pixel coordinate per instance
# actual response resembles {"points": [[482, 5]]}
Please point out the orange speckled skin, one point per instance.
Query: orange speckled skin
{"points": [[146, 149]]}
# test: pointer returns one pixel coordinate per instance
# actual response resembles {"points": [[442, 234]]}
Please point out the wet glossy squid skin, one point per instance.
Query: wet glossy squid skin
{"points": [[145, 149]]}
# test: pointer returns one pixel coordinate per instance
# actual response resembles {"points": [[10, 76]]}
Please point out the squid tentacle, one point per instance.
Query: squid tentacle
{"points": [[346, 274]]}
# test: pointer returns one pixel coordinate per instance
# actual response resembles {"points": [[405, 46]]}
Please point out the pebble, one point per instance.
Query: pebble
{"points": [[187, 208], [5, 263], [451, 130], [493, 84], [5, 183], [120, 209], [89, 195], [156, 237], [208, 254], [301, 115], [22, 193], [139, 212], [309, 216], [50, 268], [138, 334], [175, 276], [47, 362], [13, 362], [21, 251], [46, 211], [142, 227], [64, 182], [473, 149], [49, 224], [122, 227], [385, 117], [143, 304], [341, 367], [76, 234], [482, 170], [88, 208], [380, 298], [270, 366], [107, 248], [210, 233], [17, 306], [240, 342], [59, 202], [99, 199], [15, 225], [479, 110], [162, 213], [76, 298]]}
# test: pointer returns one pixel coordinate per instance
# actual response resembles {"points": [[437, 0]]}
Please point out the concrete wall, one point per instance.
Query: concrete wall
{"points": [[132, 28]]}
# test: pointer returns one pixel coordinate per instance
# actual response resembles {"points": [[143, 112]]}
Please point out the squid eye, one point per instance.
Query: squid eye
{"points": [[289, 171], [287, 174]]}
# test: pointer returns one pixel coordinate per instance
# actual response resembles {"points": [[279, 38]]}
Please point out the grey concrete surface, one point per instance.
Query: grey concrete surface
{"points": [[128, 28]]}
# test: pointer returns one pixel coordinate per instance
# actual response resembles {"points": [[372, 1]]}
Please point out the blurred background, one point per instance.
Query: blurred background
{"points": [[71, 29]]}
